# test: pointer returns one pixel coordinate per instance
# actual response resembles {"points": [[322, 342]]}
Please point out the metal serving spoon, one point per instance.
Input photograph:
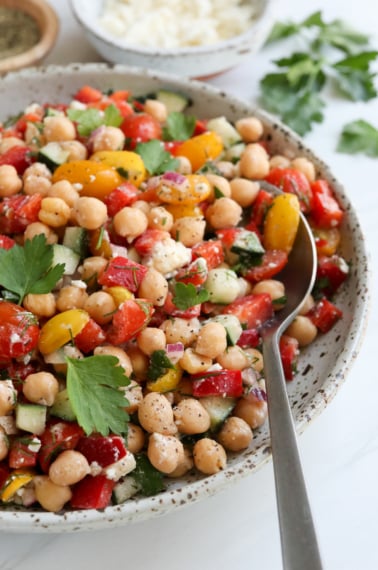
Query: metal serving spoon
{"points": [[299, 544]]}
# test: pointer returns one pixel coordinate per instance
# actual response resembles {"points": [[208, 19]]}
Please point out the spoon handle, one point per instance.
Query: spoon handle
{"points": [[298, 537]]}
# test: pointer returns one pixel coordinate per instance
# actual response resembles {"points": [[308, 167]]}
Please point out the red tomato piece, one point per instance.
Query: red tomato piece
{"points": [[58, 436], [123, 272], [88, 94], [18, 371], [103, 450], [228, 236], [145, 243], [4, 474], [18, 156], [130, 318], [20, 455], [211, 251], [200, 127], [226, 383], [259, 209], [89, 337], [251, 310], [170, 309], [92, 493], [22, 122], [324, 315], [249, 338], [19, 331], [289, 351], [326, 211], [124, 195], [331, 273], [139, 128], [18, 211], [294, 182], [172, 146], [272, 262], [6, 242], [195, 273]]}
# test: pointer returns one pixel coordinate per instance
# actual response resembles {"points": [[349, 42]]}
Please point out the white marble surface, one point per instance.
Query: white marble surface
{"points": [[238, 528]]}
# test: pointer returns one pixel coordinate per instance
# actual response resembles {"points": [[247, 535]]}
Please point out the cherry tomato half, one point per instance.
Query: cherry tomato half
{"points": [[18, 331]]}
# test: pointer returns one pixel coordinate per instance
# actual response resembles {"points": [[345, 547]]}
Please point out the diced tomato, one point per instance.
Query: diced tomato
{"points": [[23, 121], [58, 436], [249, 338], [251, 310], [19, 331], [130, 318], [259, 209], [228, 236], [172, 146], [124, 195], [145, 243], [139, 128], [89, 337], [331, 273], [92, 493], [119, 95], [226, 383], [4, 473], [103, 450], [211, 251], [272, 262], [18, 211], [6, 242], [20, 454], [326, 211], [324, 315], [124, 272], [195, 273], [294, 182], [170, 309], [200, 127], [18, 156], [88, 94], [289, 351], [18, 371]]}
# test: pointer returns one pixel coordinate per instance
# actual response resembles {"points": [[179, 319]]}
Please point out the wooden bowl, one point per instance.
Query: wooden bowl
{"points": [[47, 22]]}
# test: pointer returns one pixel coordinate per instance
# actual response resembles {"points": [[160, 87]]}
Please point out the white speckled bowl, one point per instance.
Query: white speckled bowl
{"points": [[322, 367], [201, 61]]}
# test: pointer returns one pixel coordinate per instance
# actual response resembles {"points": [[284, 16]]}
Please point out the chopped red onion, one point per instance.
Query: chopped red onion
{"points": [[175, 351]]}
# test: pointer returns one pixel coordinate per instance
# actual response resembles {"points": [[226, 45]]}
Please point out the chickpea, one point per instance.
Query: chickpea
{"points": [[303, 329], [189, 230], [8, 397], [156, 109], [108, 138], [244, 191], [38, 169], [64, 190], [71, 297], [92, 268], [41, 388], [123, 358], [42, 305], [135, 438], [9, 142], [32, 137], [185, 465], [254, 162], [130, 223], [155, 414], [211, 340], [10, 183], [255, 358], [184, 166], [226, 169], [50, 496], [37, 228], [279, 161], [209, 456], [193, 363], [274, 288], [134, 394], [181, 330], [252, 410], [224, 213], [100, 306], [91, 213], [245, 287], [58, 128], [191, 417], [154, 287], [305, 166], [68, 468], [165, 452], [4, 444], [219, 183], [235, 434], [234, 358], [151, 339], [250, 129], [54, 212], [307, 305], [160, 219], [76, 150], [141, 205], [234, 153], [139, 361], [36, 185]]}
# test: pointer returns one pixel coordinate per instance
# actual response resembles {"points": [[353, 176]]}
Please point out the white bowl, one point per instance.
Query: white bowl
{"points": [[322, 367], [201, 61]]}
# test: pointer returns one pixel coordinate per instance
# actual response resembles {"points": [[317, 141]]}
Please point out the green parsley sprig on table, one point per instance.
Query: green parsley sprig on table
{"points": [[359, 137]]}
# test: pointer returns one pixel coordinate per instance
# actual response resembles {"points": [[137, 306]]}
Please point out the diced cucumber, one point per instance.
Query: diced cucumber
{"points": [[124, 490], [225, 130], [62, 407], [222, 285], [248, 247], [65, 255], [175, 102], [219, 409], [31, 417], [76, 238], [232, 325], [53, 155]]}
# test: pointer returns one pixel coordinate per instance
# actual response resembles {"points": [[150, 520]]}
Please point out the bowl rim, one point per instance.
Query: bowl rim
{"points": [[262, 24], [48, 23]]}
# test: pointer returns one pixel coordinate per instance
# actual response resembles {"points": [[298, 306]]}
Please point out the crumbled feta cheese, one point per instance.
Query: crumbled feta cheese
{"points": [[120, 468], [167, 256]]}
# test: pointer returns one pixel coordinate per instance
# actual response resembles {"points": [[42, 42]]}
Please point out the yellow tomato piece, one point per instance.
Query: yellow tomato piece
{"points": [[169, 381], [194, 189], [130, 164], [96, 180], [61, 328], [17, 479], [182, 210], [326, 240], [201, 148], [119, 294], [281, 222]]}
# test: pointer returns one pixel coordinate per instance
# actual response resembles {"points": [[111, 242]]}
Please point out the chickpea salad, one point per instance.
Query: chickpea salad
{"points": [[139, 259]]}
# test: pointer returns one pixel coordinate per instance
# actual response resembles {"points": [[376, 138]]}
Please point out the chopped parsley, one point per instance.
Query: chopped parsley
{"points": [[155, 158], [90, 119], [186, 296], [159, 365]]}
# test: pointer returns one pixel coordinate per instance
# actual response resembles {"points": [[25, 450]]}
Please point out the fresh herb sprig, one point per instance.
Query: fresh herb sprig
{"points": [[90, 119], [359, 137], [186, 295], [155, 158]]}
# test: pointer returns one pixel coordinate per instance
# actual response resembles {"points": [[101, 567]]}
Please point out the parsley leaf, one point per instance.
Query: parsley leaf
{"points": [[186, 296], [93, 389], [159, 365], [155, 158], [359, 136], [29, 269], [179, 127], [354, 78], [149, 479], [90, 119]]}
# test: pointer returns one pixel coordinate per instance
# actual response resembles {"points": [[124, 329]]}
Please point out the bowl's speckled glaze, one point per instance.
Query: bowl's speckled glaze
{"points": [[323, 366]]}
